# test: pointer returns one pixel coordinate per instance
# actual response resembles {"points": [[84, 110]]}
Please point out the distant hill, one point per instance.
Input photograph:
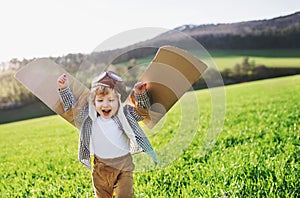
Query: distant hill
{"points": [[243, 28], [280, 32]]}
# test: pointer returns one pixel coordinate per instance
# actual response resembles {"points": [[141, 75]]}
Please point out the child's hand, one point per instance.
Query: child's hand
{"points": [[62, 81], [140, 87]]}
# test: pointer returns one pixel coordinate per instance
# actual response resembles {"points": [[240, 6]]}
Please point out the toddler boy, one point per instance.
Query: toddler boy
{"points": [[110, 131]]}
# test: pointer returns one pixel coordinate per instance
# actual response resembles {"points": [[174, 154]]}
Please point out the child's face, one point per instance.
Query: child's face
{"points": [[107, 105]]}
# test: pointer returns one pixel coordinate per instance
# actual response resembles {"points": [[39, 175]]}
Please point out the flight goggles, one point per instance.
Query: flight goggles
{"points": [[111, 80]]}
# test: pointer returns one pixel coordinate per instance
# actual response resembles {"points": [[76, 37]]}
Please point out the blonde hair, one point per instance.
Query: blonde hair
{"points": [[101, 90]]}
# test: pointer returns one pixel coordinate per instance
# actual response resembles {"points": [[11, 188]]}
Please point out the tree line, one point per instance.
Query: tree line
{"points": [[287, 38]]}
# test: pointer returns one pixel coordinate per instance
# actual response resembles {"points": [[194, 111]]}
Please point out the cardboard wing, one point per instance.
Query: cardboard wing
{"points": [[40, 77], [171, 73]]}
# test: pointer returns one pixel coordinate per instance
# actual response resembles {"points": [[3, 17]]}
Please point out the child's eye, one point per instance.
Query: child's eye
{"points": [[99, 100], [111, 100]]}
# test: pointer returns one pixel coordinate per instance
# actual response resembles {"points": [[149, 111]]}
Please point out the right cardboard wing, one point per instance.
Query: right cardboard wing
{"points": [[171, 73]]}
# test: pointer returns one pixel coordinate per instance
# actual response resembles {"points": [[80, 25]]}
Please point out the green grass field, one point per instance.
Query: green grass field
{"points": [[226, 62], [270, 58], [256, 155], [224, 59]]}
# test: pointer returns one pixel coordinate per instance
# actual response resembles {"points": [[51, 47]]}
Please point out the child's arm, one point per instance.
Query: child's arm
{"points": [[141, 102], [141, 95], [65, 92]]}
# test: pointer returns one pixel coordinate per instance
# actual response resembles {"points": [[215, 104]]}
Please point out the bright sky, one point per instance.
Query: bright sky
{"points": [[42, 28]]}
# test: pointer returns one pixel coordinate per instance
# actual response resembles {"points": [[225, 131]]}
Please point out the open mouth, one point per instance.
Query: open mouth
{"points": [[106, 112]]}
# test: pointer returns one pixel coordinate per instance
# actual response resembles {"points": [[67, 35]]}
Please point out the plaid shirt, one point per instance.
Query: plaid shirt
{"points": [[143, 144]]}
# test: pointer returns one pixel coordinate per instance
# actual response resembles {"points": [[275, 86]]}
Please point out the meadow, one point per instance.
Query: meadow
{"points": [[227, 59], [256, 155]]}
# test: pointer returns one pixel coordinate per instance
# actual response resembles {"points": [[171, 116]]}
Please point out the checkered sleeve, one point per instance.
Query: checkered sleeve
{"points": [[143, 100], [143, 103], [143, 144], [67, 98], [134, 114], [84, 112]]}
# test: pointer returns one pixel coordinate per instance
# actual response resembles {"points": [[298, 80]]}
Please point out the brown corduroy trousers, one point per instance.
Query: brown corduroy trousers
{"points": [[113, 175]]}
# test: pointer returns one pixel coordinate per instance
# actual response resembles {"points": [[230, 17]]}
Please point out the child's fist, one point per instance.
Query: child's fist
{"points": [[140, 87], [62, 81]]}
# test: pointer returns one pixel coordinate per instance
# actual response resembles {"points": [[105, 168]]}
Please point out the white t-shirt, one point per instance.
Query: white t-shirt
{"points": [[108, 140]]}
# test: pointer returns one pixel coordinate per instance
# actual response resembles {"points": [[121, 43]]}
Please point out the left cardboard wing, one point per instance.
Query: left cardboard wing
{"points": [[40, 77]]}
